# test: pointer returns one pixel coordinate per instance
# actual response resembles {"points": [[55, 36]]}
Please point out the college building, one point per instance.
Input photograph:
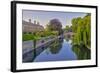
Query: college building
{"points": [[29, 27]]}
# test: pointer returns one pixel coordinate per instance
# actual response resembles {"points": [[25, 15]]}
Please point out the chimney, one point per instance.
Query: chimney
{"points": [[34, 21], [29, 20], [38, 23]]}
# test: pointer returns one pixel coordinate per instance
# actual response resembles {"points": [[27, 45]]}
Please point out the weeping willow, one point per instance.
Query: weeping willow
{"points": [[82, 30]]}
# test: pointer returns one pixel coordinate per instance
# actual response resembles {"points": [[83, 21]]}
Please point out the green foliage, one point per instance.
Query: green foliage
{"points": [[39, 35], [27, 37], [75, 23], [82, 52], [82, 29], [30, 37], [55, 25], [67, 28]]}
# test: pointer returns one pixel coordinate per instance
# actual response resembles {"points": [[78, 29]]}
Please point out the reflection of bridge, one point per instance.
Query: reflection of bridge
{"points": [[29, 53]]}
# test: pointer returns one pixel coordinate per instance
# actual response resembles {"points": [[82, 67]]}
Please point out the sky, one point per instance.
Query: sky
{"points": [[43, 17]]}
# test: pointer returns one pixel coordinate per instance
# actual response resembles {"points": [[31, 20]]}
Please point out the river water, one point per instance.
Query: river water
{"points": [[59, 50]]}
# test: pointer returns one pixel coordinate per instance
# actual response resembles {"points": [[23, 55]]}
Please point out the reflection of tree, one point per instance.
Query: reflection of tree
{"points": [[56, 46], [82, 52]]}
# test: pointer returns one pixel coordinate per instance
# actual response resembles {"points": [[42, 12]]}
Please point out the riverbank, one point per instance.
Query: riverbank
{"points": [[29, 45]]}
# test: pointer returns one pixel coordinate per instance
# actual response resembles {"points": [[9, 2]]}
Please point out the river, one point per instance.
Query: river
{"points": [[59, 50]]}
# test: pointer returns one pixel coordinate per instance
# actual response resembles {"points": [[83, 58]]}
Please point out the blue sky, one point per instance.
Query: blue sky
{"points": [[43, 17]]}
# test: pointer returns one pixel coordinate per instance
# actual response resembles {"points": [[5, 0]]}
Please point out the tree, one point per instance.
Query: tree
{"points": [[75, 23], [67, 28], [82, 29], [55, 25]]}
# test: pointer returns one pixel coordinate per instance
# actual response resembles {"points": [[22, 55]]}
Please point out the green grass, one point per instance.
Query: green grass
{"points": [[27, 37]]}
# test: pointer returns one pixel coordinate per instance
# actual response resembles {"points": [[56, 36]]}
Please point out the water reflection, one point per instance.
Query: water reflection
{"points": [[53, 47], [56, 46], [58, 50], [82, 52]]}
